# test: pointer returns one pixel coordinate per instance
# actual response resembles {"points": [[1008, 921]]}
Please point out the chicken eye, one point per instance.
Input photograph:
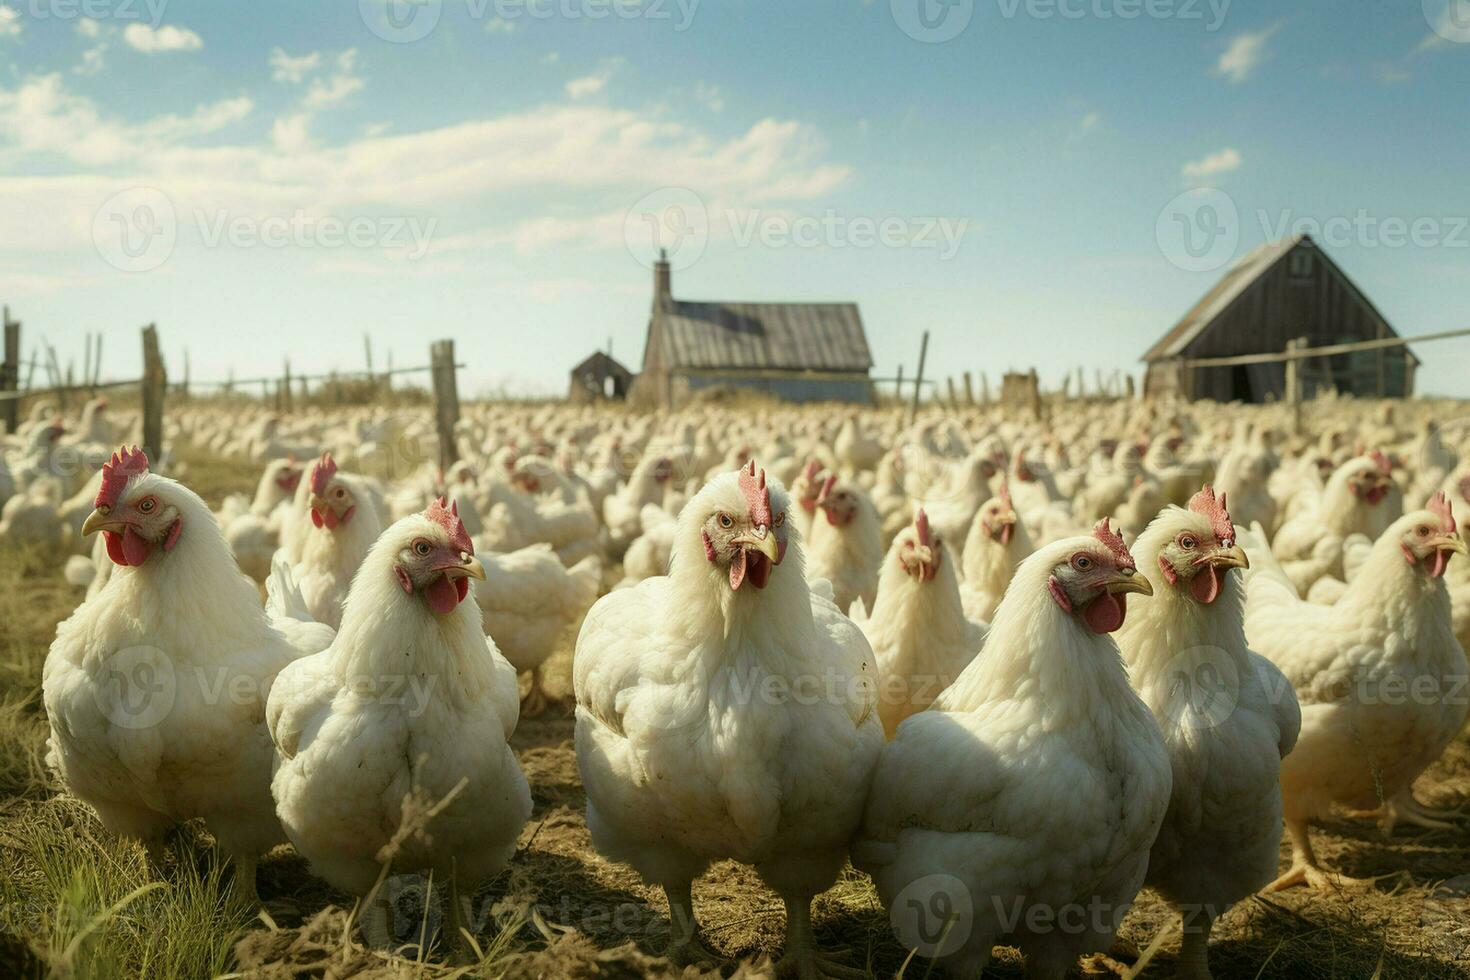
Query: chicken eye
{"points": [[1423, 531], [1081, 562], [421, 547], [780, 519], [726, 521], [339, 493], [147, 505], [1187, 543]]}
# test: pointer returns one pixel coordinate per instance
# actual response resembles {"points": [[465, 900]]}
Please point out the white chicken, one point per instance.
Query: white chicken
{"points": [[254, 535], [344, 525], [410, 701], [846, 545], [920, 636], [1036, 784], [1379, 675], [155, 687], [1360, 497], [1227, 715], [997, 544], [684, 761]]}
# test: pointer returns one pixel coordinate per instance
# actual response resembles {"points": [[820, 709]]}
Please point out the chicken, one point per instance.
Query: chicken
{"points": [[846, 547], [1227, 715], [411, 704], [344, 525], [952, 509], [1030, 793], [255, 534], [1359, 497], [155, 688], [649, 554], [805, 490], [997, 543], [690, 742], [1378, 674], [918, 630], [530, 602], [621, 511]]}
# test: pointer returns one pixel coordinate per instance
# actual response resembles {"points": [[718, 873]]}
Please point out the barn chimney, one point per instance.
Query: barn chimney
{"points": [[662, 285]]}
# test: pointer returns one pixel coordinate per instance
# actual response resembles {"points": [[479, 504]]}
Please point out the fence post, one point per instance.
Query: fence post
{"points": [[954, 399], [286, 382], [969, 389], [446, 400], [155, 380], [919, 378], [1294, 383], [898, 383], [10, 374]]}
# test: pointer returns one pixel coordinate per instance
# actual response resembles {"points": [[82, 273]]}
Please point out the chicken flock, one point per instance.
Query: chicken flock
{"points": [[1037, 665]]}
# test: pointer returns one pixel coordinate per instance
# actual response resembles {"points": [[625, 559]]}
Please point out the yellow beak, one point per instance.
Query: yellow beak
{"points": [[1134, 582], [765, 544], [1451, 542], [1232, 558], [469, 567], [100, 520]]}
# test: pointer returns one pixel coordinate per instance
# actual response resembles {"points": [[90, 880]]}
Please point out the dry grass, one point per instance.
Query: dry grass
{"points": [[75, 902]]}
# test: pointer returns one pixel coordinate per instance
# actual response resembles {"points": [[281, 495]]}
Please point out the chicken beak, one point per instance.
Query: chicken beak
{"points": [[101, 520], [1451, 542], [473, 567], [764, 542], [1233, 557], [1132, 582], [924, 555]]}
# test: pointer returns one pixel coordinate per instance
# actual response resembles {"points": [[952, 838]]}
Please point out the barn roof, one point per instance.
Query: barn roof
{"points": [[601, 361], [785, 336], [1237, 280]]}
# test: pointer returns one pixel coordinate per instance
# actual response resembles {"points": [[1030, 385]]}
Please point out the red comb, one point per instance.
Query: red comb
{"points": [[757, 495], [827, 486], [1383, 464], [1114, 543], [1206, 503], [1439, 506], [921, 525], [813, 467], [322, 472], [125, 464], [446, 515]]}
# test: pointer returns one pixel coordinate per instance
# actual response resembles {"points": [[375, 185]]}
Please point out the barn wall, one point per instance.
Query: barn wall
{"points": [[1325, 308], [795, 388]]}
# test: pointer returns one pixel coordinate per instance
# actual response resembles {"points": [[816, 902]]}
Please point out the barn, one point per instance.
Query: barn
{"points": [[803, 352], [600, 377], [1278, 292]]}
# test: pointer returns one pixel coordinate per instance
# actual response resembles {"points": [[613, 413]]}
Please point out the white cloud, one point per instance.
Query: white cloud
{"points": [[9, 21], [292, 134], [285, 68], [499, 25], [709, 96], [325, 93], [93, 60], [87, 27], [1214, 164], [1244, 54], [151, 40], [580, 88]]}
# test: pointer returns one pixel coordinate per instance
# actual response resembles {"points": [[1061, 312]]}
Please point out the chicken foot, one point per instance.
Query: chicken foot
{"points": [[1306, 870], [534, 703], [1194, 947], [802, 959]]}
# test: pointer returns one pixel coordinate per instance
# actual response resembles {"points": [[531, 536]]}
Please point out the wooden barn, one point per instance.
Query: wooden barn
{"points": [[600, 378], [802, 352], [1278, 292]]}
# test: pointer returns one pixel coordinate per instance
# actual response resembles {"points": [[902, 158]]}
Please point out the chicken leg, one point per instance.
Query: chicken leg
{"points": [[245, 879], [1403, 808], [1194, 947], [686, 948], [534, 703], [802, 959]]}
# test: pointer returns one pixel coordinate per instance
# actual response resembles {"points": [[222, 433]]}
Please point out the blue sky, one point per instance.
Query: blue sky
{"points": [[277, 178]]}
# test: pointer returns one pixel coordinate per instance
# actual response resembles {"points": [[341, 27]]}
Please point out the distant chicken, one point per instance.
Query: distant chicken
{"points": [[1034, 787], [1378, 674], [846, 545], [920, 636], [805, 490], [621, 511], [156, 686], [1227, 715], [684, 761], [997, 544], [530, 603], [254, 535], [344, 525], [1359, 497], [410, 706]]}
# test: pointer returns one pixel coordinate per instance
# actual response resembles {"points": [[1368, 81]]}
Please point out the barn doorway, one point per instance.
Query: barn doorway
{"points": [[1240, 385]]}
